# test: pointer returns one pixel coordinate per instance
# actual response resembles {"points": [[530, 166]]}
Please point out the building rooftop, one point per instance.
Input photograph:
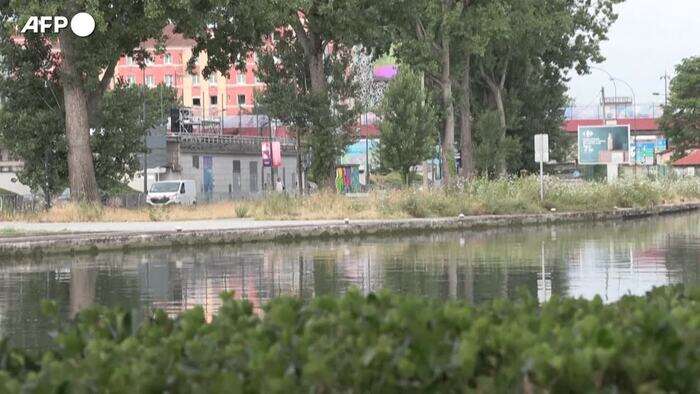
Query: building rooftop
{"points": [[693, 159], [636, 125]]}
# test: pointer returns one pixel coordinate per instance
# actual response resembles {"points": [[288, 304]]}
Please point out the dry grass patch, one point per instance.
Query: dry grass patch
{"points": [[504, 196]]}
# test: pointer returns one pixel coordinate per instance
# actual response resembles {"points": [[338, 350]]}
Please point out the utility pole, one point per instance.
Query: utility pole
{"points": [[145, 134], [665, 77], [602, 95]]}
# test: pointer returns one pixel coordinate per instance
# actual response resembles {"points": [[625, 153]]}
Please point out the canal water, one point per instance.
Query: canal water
{"points": [[609, 259]]}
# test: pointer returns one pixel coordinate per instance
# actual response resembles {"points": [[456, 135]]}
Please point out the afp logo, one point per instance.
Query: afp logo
{"points": [[82, 24]]}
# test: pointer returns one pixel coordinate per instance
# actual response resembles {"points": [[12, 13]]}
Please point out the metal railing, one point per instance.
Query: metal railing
{"points": [[219, 139], [14, 203]]}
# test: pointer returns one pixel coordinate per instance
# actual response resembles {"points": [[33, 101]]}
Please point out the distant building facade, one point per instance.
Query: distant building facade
{"points": [[228, 167], [211, 97]]}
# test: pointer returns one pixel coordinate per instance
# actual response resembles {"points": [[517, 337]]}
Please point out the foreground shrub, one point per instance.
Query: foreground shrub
{"points": [[379, 343]]}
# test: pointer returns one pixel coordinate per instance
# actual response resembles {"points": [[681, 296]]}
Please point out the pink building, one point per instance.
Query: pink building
{"points": [[209, 98]]}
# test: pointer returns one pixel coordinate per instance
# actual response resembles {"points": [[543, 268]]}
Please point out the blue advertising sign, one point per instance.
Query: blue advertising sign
{"points": [[604, 145], [644, 152], [661, 144], [357, 152]]}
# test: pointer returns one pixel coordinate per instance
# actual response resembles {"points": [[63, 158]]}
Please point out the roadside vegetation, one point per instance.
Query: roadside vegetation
{"points": [[480, 197], [378, 343]]}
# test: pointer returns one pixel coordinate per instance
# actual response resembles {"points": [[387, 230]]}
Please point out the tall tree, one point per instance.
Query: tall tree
{"points": [[423, 34], [408, 125], [32, 120], [32, 127], [470, 34], [32, 124], [559, 34], [681, 119], [86, 66], [322, 123], [306, 44]]}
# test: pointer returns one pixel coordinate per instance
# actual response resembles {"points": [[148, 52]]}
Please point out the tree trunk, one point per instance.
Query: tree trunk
{"points": [[406, 174], [465, 124], [313, 57], [316, 71], [81, 169], [498, 98], [448, 133], [300, 167]]}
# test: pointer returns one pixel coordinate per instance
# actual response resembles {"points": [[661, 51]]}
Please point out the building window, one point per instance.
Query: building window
{"points": [[196, 102], [168, 80], [237, 176], [150, 81], [214, 100], [167, 58], [195, 161], [253, 176], [240, 78], [195, 79], [129, 60], [131, 80], [212, 79], [241, 99]]}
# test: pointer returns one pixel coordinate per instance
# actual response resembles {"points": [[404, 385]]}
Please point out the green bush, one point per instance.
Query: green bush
{"points": [[242, 211], [157, 214], [379, 343]]}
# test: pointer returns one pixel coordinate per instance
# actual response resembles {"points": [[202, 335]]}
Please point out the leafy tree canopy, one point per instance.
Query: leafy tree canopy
{"points": [[84, 66], [408, 126], [681, 119], [32, 121]]}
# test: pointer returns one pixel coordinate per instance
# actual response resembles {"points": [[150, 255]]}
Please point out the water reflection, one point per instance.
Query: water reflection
{"points": [[609, 260]]}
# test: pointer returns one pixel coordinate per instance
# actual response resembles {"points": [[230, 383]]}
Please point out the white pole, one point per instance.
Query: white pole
{"points": [[541, 181], [542, 168]]}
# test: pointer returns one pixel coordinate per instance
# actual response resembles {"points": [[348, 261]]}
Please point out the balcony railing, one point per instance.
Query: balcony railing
{"points": [[219, 139]]}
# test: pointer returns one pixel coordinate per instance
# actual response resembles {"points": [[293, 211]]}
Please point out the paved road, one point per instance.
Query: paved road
{"points": [[147, 227]]}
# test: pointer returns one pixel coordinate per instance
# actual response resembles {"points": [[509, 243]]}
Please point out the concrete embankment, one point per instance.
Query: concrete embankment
{"points": [[253, 231]]}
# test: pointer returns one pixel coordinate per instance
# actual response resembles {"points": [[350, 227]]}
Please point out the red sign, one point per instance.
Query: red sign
{"points": [[266, 154], [272, 156]]}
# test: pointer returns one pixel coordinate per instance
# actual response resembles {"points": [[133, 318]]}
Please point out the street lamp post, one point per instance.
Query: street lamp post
{"points": [[634, 99], [612, 79], [653, 107], [665, 77]]}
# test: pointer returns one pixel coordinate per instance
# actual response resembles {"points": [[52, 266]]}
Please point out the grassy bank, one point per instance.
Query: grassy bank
{"points": [[474, 198], [380, 343]]}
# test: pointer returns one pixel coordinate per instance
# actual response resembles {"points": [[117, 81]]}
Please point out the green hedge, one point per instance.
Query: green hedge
{"points": [[381, 343]]}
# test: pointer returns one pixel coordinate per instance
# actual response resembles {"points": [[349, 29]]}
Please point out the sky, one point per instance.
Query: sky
{"points": [[649, 38]]}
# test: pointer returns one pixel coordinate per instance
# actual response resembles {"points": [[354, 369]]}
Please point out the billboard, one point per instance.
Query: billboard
{"points": [[603, 145]]}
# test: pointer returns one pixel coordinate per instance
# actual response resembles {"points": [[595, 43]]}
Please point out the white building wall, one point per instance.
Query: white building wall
{"points": [[222, 171]]}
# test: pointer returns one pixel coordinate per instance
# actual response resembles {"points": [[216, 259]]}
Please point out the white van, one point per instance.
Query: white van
{"points": [[181, 192]]}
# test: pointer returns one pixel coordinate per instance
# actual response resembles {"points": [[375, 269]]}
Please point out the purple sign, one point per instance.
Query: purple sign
{"points": [[386, 72]]}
